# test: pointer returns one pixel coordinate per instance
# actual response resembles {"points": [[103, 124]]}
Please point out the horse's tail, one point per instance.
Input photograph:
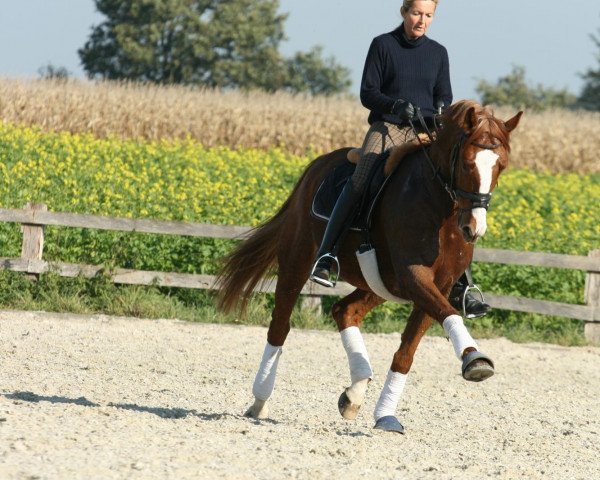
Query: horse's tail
{"points": [[252, 260]]}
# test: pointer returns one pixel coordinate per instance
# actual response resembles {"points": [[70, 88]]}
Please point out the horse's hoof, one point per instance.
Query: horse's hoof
{"points": [[259, 410], [348, 409], [477, 367], [389, 423]]}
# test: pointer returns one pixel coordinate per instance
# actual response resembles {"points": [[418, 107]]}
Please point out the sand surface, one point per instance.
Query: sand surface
{"points": [[112, 398]]}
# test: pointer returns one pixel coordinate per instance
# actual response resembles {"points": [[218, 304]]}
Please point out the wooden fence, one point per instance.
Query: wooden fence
{"points": [[34, 217]]}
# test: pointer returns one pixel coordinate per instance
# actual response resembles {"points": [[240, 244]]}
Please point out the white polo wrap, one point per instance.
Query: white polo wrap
{"points": [[390, 395], [265, 377], [458, 335], [358, 358]]}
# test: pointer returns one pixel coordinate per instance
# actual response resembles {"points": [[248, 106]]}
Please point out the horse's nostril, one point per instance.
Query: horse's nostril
{"points": [[467, 233]]}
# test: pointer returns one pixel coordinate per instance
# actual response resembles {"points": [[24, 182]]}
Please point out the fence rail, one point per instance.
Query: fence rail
{"points": [[34, 217]]}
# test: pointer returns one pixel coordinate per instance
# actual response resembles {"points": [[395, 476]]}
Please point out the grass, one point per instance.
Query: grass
{"points": [[99, 296]]}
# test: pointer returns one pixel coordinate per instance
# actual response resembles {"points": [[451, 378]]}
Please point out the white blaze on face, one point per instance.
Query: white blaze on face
{"points": [[485, 161]]}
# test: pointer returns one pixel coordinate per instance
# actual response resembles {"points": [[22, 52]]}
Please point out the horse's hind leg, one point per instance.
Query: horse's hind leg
{"points": [[348, 314], [292, 277]]}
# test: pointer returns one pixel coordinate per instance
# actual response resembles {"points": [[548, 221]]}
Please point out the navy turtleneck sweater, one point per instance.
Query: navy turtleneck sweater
{"points": [[414, 70]]}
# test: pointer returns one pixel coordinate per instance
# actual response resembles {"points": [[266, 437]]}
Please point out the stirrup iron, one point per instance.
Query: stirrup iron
{"points": [[336, 276], [470, 287]]}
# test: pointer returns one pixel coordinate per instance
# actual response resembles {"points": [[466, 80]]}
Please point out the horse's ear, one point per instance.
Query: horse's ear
{"points": [[513, 122], [471, 118]]}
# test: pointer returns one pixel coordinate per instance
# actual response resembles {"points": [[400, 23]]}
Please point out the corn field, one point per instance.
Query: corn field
{"points": [[552, 141]]}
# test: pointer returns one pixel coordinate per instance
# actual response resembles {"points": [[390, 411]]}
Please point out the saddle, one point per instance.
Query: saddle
{"points": [[333, 184]]}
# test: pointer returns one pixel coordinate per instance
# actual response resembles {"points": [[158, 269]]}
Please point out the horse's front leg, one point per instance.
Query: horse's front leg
{"points": [[430, 304], [420, 283], [385, 409], [348, 314], [476, 365]]}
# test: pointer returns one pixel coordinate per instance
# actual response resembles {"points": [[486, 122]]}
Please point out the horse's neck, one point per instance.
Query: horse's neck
{"points": [[417, 170], [431, 162], [415, 208], [440, 158]]}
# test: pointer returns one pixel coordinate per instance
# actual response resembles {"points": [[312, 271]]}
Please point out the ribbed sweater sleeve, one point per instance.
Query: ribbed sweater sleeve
{"points": [[371, 95], [443, 89]]}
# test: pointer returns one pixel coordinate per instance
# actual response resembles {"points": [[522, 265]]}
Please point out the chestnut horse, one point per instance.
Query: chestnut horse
{"points": [[424, 226]]}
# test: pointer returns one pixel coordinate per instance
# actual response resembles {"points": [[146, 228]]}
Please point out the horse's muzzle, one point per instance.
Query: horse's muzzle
{"points": [[468, 234], [472, 224]]}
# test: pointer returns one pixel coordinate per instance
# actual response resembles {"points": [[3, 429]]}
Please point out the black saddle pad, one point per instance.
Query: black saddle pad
{"points": [[333, 184]]}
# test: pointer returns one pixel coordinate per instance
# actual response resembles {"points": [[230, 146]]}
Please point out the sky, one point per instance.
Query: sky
{"points": [[484, 38]]}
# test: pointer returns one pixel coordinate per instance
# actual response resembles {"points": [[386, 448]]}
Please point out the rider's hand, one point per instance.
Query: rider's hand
{"points": [[439, 107], [404, 109]]}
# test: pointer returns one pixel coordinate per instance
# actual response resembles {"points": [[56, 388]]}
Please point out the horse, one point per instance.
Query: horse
{"points": [[424, 227]]}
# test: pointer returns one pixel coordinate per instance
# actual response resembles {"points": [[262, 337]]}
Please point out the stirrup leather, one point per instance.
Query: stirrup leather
{"points": [[321, 281], [464, 297]]}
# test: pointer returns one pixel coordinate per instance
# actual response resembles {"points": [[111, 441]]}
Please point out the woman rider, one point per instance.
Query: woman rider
{"points": [[404, 69]]}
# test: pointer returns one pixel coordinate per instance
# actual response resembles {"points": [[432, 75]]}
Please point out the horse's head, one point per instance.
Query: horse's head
{"points": [[479, 146]]}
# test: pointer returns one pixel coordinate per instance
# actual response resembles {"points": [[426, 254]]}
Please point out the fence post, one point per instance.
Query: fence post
{"points": [[592, 298], [311, 301], [33, 237]]}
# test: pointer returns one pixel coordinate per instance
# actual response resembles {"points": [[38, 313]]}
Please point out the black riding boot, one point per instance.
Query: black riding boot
{"points": [[339, 218], [472, 307]]}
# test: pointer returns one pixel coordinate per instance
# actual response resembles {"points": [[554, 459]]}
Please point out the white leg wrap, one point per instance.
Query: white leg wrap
{"points": [[458, 335], [265, 377], [358, 358], [390, 395]]}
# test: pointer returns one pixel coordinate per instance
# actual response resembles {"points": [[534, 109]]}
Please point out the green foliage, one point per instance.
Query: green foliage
{"points": [[308, 72], [512, 90], [590, 95], [216, 43]]}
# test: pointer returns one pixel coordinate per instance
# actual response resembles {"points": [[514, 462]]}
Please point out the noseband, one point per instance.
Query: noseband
{"points": [[478, 200]]}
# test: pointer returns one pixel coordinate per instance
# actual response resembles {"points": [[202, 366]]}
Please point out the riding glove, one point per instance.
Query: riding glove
{"points": [[404, 109]]}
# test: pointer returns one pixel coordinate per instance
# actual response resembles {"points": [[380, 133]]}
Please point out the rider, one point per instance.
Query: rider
{"points": [[404, 69]]}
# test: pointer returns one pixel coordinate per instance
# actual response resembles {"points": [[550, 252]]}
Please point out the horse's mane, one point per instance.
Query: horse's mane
{"points": [[459, 114]]}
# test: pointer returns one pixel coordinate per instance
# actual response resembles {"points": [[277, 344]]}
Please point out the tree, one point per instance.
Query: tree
{"points": [[590, 95], [53, 72], [308, 72], [513, 90], [217, 43]]}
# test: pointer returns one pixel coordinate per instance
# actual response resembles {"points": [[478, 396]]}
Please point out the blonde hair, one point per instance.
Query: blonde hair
{"points": [[407, 4]]}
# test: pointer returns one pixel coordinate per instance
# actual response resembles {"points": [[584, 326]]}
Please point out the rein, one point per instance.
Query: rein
{"points": [[478, 200]]}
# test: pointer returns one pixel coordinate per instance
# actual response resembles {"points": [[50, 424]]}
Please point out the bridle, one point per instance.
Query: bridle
{"points": [[478, 200]]}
